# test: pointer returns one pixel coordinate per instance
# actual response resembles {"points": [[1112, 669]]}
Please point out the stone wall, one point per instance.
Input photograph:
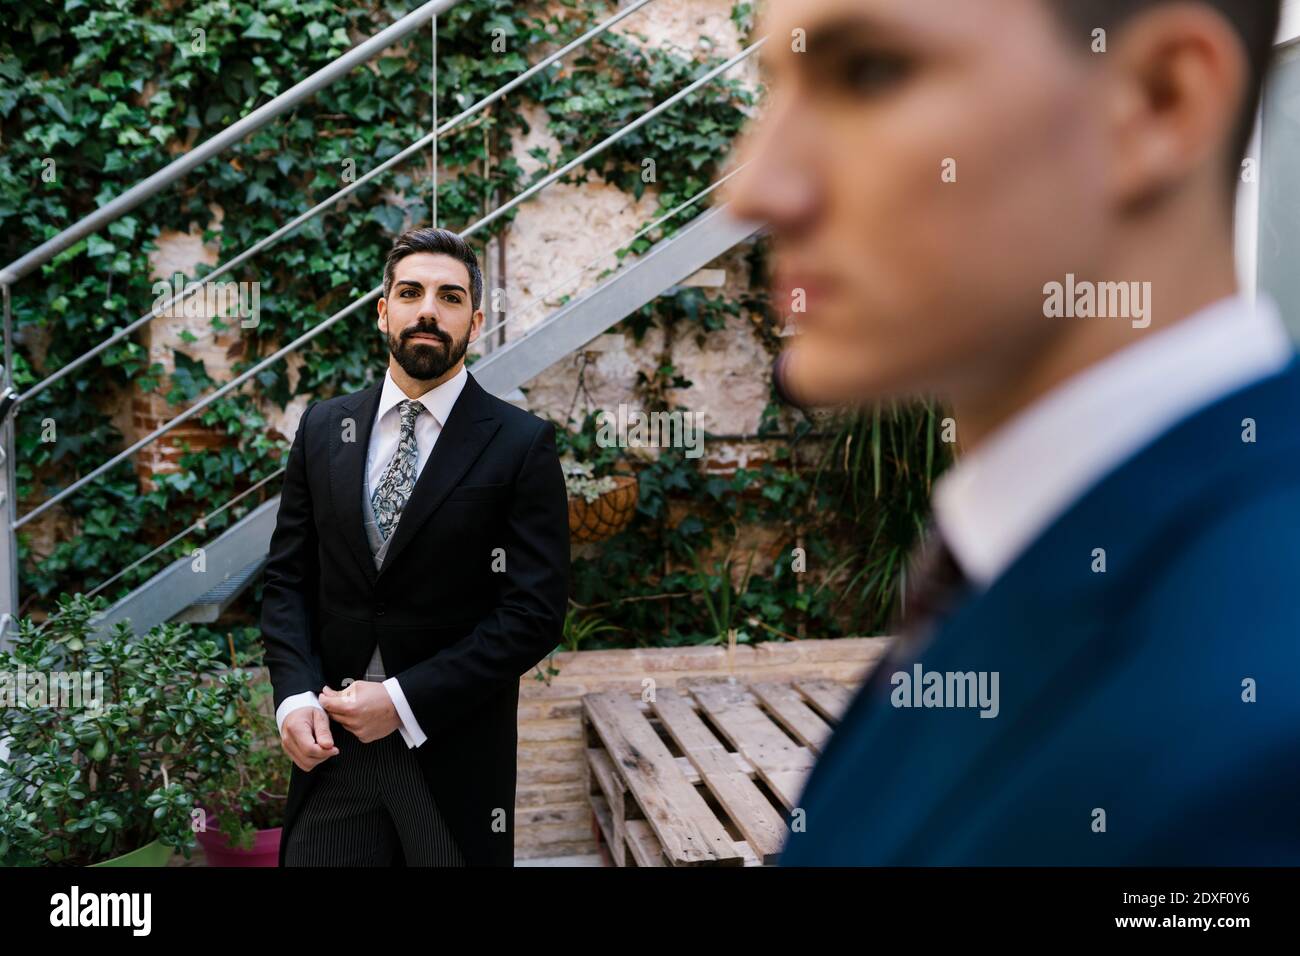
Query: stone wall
{"points": [[561, 241], [558, 245], [554, 236]]}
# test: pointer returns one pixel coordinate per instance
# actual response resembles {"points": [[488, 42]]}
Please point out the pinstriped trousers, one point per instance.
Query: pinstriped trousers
{"points": [[370, 807]]}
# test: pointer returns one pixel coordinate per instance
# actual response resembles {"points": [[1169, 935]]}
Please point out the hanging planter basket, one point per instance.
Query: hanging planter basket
{"points": [[607, 515]]}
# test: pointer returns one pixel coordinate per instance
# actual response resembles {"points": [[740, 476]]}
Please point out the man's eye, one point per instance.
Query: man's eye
{"points": [[869, 73], [408, 293]]}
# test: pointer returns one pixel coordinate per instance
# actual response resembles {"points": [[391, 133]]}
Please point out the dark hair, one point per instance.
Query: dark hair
{"points": [[442, 241], [1256, 21]]}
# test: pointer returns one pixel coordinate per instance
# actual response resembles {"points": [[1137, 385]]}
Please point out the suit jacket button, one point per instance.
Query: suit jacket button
{"points": [[379, 609]]}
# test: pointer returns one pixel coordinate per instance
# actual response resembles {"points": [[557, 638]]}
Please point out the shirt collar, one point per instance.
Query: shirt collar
{"points": [[993, 503], [438, 401]]}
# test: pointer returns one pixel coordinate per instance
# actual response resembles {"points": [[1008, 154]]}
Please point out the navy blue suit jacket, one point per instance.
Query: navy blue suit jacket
{"points": [[1120, 691]]}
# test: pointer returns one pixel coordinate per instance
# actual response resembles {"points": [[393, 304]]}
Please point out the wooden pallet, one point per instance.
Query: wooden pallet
{"points": [[703, 775]]}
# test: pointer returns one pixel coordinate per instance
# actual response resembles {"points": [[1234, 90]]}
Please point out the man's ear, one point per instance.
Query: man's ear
{"points": [[381, 320], [1178, 76], [476, 325]]}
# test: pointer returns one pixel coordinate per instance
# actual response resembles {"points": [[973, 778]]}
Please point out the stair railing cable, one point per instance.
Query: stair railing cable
{"points": [[375, 292], [615, 137], [236, 131], [530, 304], [292, 226], [200, 523], [578, 273]]}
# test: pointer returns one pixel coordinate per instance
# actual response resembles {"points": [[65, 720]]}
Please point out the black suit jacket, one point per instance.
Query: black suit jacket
{"points": [[456, 633]]}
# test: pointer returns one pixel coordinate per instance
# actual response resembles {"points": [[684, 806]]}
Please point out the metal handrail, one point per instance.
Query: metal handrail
{"points": [[609, 140], [577, 273], [198, 406], [375, 292], [199, 523], [293, 224], [233, 133]]}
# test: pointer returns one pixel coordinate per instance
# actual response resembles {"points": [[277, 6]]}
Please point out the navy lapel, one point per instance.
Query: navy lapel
{"points": [[1049, 625], [354, 417], [467, 431]]}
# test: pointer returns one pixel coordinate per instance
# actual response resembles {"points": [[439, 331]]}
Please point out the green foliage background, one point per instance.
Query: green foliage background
{"points": [[111, 89]]}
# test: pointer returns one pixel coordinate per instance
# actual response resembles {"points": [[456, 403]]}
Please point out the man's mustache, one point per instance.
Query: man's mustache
{"points": [[442, 336]]}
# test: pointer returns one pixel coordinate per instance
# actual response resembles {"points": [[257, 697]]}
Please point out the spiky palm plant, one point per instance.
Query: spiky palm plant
{"points": [[878, 470]]}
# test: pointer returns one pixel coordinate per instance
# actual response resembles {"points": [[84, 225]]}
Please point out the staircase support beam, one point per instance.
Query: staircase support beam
{"points": [[577, 323], [171, 591]]}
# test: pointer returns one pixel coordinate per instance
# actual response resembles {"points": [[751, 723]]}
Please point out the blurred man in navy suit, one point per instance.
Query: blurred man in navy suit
{"points": [[1025, 208]]}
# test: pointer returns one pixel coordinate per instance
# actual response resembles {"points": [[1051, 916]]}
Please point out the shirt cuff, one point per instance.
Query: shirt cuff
{"points": [[307, 698], [409, 728]]}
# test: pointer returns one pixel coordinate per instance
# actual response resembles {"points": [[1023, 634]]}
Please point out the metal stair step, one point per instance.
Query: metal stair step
{"points": [[208, 607]]}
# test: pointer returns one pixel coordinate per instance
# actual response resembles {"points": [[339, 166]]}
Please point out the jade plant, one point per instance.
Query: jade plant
{"points": [[129, 761], [251, 795]]}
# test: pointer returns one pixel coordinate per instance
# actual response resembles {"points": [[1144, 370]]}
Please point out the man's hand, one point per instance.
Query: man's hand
{"points": [[365, 709], [306, 738]]}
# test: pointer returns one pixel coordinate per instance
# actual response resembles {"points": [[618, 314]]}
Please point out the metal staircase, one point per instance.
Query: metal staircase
{"points": [[234, 558]]}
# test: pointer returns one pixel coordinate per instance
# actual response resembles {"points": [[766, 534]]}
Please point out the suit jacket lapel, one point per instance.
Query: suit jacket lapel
{"points": [[1048, 625], [354, 418], [467, 431]]}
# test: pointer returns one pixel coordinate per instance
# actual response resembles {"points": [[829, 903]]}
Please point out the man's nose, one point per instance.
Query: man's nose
{"points": [[429, 310], [777, 184]]}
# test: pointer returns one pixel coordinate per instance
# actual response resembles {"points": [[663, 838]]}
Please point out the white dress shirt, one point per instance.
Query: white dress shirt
{"points": [[996, 500], [384, 437]]}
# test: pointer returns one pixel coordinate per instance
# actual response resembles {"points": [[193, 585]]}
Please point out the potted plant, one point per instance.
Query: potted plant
{"points": [[599, 508], [723, 599], [244, 810], [578, 629], [109, 740]]}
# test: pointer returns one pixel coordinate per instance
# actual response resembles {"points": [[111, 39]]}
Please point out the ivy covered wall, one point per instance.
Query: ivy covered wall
{"points": [[104, 92]]}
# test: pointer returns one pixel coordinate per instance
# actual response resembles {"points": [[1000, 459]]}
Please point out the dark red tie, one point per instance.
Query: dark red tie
{"points": [[935, 583]]}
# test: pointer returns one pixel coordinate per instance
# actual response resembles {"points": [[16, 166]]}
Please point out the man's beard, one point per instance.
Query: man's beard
{"points": [[424, 360]]}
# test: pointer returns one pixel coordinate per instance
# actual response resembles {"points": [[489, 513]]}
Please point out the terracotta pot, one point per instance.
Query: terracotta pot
{"points": [[607, 515]]}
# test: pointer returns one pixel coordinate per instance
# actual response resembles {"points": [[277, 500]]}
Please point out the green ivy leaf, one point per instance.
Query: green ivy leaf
{"points": [[260, 29]]}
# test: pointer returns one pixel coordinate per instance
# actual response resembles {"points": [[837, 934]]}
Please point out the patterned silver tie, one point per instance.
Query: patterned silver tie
{"points": [[398, 480]]}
